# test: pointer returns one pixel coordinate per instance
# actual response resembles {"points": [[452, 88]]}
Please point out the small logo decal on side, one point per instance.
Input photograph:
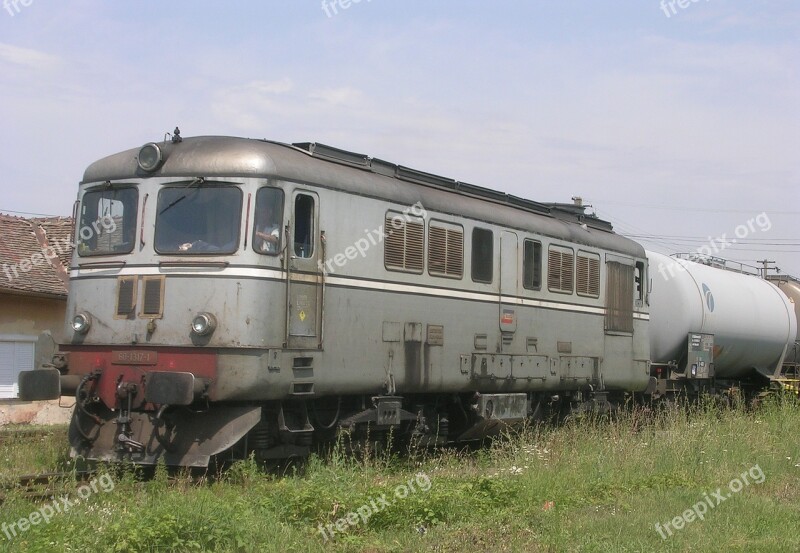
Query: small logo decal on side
{"points": [[709, 298]]}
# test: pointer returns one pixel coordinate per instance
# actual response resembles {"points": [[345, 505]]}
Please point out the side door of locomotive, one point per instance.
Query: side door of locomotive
{"points": [[509, 286], [304, 278]]}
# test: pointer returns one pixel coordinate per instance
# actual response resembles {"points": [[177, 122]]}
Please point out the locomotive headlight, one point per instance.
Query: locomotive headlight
{"points": [[204, 324], [150, 157], [81, 323]]}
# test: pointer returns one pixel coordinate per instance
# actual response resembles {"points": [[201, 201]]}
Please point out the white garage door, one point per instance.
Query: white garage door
{"points": [[15, 355]]}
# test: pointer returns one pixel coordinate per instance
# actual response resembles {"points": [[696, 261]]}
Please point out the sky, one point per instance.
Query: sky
{"points": [[678, 121]]}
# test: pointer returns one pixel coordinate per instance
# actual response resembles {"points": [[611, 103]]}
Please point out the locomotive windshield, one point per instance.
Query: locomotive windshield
{"points": [[198, 220], [107, 222]]}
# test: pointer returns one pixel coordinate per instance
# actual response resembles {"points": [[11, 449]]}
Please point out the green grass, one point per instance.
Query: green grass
{"points": [[29, 449], [587, 486]]}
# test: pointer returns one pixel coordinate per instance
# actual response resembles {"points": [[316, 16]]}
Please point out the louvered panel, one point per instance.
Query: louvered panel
{"points": [[152, 302], [582, 275], [415, 246], [554, 270], [567, 266], [455, 253], [445, 252], [587, 275], [394, 254], [594, 277], [560, 270], [405, 245], [437, 250], [619, 297], [126, 296]]}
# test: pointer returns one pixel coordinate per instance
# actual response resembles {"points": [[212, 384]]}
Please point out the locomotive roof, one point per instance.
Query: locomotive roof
{"points": [[314, 163]]}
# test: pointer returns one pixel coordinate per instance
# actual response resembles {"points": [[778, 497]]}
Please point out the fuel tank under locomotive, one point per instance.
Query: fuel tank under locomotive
{"points": [[752, 322]]}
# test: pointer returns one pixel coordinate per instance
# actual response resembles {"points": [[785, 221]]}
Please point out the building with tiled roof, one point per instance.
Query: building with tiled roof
{"points": [[34, 279]]}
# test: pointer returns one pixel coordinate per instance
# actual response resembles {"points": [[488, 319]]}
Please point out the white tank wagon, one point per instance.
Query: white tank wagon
{"points": [[791, 287], [751, 322]]}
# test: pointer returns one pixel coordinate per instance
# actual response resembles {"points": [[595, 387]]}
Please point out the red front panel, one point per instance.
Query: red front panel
{"points": [[131, 365]]}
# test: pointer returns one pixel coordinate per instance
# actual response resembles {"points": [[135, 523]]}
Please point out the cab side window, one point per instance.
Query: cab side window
{"points": [[267, 228], [532, 265], [482, 255], [303, 235]]}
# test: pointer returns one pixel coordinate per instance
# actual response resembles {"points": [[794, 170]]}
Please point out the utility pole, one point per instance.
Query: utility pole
{"points": [[765, 262]]}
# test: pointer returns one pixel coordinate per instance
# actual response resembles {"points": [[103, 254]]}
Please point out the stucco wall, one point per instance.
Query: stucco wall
{"points": [[36, 412], [23, 315]]}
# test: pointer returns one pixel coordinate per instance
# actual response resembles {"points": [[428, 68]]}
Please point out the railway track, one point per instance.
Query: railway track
{"points": [[44, 486], [13, 435], [41, 486]]}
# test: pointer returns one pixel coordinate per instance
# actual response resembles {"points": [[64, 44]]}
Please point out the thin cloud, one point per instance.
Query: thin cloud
{"points": [[26, 57], [344, 96], [276, 87]]}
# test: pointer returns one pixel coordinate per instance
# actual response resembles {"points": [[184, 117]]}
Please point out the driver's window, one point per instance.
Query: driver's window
{"points": [[267, 228]]}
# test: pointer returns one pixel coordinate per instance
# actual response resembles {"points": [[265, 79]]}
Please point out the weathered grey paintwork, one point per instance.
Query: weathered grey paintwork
{"points": [[289, 330], [365, 327]]}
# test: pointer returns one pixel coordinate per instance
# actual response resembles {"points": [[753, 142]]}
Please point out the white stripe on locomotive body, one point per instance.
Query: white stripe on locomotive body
{"points": [[247, 291], [385, 286]]}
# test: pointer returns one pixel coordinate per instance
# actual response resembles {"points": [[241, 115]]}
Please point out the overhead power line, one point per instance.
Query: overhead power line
{"points": [[700, 209], [706, 238], [730, 242], [30, 213]]}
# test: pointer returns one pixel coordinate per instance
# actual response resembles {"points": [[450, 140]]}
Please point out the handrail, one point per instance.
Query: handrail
{"points": [[194, 263], [102, 264]]}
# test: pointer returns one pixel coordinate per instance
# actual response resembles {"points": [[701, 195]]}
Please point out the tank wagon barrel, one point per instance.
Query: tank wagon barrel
{"points": [[746, 322]]}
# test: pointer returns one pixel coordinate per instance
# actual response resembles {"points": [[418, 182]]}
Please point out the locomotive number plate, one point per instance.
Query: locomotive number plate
{"points": [[135, 357]]}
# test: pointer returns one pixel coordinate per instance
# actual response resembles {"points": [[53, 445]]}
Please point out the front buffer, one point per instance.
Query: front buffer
{"points": [[143, 406], [180, 436]]}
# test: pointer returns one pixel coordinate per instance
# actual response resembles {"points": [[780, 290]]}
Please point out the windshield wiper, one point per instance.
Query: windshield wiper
{"points": [[198, 180]]}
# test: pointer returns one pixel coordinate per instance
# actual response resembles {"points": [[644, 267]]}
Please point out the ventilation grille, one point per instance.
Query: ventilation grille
{"points": [[405, 243], [588, 276], [560, 268], [153, 305], [445, 252], [619, 295], [126, 296]]}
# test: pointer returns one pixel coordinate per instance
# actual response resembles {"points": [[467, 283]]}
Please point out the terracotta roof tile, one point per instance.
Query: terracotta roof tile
{"points": [[40, 245]]}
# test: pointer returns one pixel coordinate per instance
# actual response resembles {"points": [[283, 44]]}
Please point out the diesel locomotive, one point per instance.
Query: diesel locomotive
{"points": [[235, 296]]}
